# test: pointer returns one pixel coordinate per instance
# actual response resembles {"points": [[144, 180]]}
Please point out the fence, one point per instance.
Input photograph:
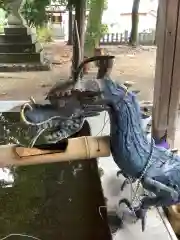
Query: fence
{"points": [[144, 38]]}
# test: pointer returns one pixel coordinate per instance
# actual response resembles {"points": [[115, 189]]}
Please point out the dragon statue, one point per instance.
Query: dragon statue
{"points": [[155, 167]]}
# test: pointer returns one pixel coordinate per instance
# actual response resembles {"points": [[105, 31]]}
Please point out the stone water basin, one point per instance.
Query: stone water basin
{"points": [[50, 201], [75, 212]]}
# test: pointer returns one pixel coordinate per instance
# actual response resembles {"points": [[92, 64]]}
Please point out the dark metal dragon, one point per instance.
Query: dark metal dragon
{"points": [[155, 167]]}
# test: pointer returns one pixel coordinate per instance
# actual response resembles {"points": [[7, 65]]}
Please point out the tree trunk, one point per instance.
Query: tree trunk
{"points": [[70, 31], [80, 15], [135, 21], [93, 32]]}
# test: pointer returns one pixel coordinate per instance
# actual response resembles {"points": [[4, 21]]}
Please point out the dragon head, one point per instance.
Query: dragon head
{"points": [[66, 109], [67, 104]]}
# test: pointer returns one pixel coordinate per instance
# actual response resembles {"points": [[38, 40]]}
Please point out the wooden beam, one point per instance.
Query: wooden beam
{"points": [[166, 87], [175, 85]]}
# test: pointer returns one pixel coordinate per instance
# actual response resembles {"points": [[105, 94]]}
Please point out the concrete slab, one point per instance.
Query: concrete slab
{"points": [[6, 106], [158, 227]]}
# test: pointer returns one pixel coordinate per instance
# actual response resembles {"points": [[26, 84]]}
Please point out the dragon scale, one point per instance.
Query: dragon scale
{"points": [[131, 149], [157, 168]]}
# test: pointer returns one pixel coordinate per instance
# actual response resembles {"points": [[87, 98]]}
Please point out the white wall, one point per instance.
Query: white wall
{"points": [[116, 6], [124, 23]]}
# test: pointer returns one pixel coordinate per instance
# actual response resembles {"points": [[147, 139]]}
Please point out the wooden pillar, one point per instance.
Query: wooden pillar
{"points": [[167, 76]]}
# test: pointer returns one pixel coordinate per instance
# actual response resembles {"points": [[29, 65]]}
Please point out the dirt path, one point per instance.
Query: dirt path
{"points": [[24, 84], [137, 66]]}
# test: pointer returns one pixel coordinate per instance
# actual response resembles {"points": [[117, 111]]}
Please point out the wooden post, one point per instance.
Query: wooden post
{"points": [[167, 84]]}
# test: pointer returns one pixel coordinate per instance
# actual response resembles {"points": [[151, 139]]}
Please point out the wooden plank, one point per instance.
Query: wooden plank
{"points": [[175, 86], [166, 39], [160, 40]]}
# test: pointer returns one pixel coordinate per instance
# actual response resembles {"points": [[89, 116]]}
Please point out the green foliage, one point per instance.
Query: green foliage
{"points": [[88, 2], [92, 38], [1, 28], [3, 4], [2, 19], [103, 30], [105, 4], [60, 2], [34, 12], [44, 34], [95, 29]]}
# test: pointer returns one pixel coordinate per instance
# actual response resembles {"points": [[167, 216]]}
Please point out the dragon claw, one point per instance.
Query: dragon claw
{"points": [[141, 215], [126, 202], [118, 173], [125, 183], [139, 212]]}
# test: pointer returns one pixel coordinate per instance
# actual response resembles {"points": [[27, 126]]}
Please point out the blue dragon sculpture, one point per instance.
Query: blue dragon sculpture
{"points": [[155, 167]]}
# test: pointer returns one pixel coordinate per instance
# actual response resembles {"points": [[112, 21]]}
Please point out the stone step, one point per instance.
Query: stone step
{"points": [[20, 57], [25, 67], [17, 48], [15, 38], [18, 30]]}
